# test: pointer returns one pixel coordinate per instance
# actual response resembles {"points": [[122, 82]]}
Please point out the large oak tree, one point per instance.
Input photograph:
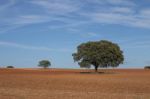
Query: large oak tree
{"points": [[98, 54]]}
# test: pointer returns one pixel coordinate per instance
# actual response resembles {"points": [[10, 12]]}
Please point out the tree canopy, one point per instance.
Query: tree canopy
{"points": [[98, 54], [44, 63]]}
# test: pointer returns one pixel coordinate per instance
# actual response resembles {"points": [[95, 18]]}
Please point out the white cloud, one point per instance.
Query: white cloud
{"points": [[145, 12], [92, 34], [20, 21], [110, 18], [113, 2], [31, 19], [135, 43], [124, 10], [9, 28], [121, 2], [16, 45], [57, 6], [133, 20], [85, 35]]}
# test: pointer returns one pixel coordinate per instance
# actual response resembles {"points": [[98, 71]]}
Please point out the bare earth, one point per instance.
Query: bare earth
{"points": [[74, 84]]}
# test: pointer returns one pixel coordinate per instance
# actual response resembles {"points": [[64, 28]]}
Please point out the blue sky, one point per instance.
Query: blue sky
{"points": [[32, 30]]}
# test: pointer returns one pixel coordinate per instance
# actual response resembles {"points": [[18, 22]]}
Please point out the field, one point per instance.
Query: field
{"points": [[74, 84]]}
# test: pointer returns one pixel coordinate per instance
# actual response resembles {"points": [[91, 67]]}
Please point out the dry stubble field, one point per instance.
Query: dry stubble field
{"points": [[74, 84]]}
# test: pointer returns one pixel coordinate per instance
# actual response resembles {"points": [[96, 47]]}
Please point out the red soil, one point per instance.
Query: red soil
{"points": [[74, 84]]}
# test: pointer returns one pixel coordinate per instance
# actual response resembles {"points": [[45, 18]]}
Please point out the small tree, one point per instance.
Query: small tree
{"points": [[99, 54], [147, 67], [44, 63], [9, 66]]}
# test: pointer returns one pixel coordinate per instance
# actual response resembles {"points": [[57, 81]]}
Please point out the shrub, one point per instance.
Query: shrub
{"points": [[147, 67], [10, 67]]}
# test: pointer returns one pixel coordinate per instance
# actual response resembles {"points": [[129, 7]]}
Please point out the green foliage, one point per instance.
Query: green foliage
{"points": [[44, 63], [9, 66], [99, 54]]}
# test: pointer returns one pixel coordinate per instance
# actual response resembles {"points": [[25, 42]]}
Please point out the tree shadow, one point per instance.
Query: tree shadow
{"points": [[97, 72]]}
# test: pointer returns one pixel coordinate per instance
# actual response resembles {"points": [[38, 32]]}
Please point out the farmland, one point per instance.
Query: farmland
{"points": [[74, 84]]}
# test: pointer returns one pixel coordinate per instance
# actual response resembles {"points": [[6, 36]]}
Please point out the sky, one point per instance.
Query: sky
{"points": [[33, 30]]}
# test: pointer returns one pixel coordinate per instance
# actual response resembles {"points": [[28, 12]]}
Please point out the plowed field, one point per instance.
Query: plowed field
{"points": [[74, 84]]}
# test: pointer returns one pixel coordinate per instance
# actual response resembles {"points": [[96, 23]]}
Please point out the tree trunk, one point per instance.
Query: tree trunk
{"points": [[96, 68]]}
